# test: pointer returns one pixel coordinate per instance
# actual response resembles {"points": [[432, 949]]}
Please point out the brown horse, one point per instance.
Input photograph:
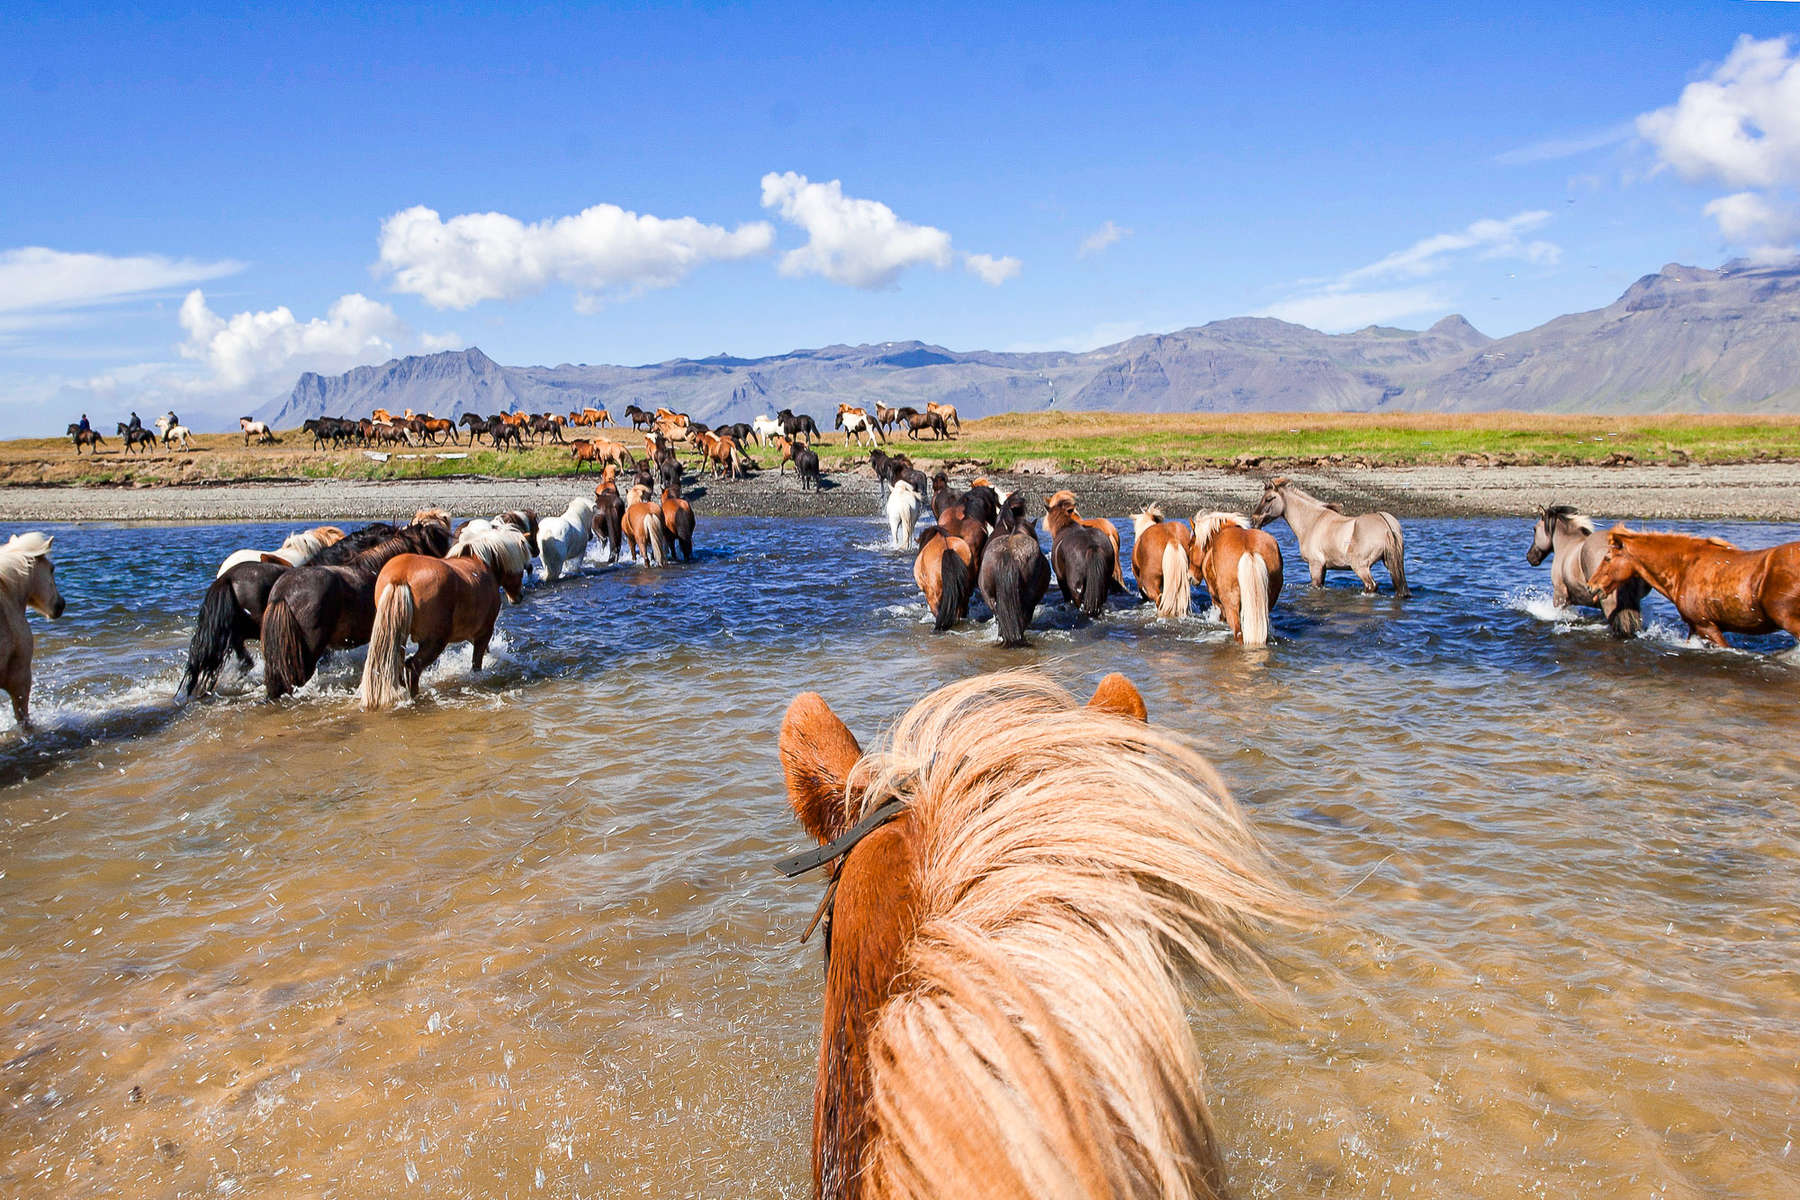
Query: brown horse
{"points": [[1106, 527], [1716, 587], [439, 601], [1159, 559], [644, 530], [721, 450], [1084, 559], [945, 572], [946, 411], [600, 450], [1242, 570], [1025, 894], [678, 521]]}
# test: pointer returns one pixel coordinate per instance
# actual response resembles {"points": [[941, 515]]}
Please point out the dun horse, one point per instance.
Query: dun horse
{"points": [[1716, 587], [27, 580], [1330, 539], [438, 602], [1026, 893], [1578, 548], [1242, 570], [1159, 559]]}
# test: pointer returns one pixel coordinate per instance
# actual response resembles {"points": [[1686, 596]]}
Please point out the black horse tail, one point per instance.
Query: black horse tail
{"points": [[957, 586], [212, 640], [1096, 582], [1007, 597], [284, 651]]}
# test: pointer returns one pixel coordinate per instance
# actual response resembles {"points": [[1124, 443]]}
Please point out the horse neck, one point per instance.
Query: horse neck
{"points": [[1659, 563], [1566, 537], [1301, 510]]}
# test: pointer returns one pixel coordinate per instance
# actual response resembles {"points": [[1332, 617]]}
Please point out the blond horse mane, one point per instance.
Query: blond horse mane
{"points": [[503, 548], [1207, 524], [1140, 521], [18, 562], [1077, 873]]}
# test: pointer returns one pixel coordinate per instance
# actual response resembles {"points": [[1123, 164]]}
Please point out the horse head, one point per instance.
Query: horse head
{"points": [[35, 572], [1617, 566], [1273, 503]]}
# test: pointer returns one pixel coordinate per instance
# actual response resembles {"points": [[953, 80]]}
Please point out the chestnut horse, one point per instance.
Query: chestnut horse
{"points": [[27, 580], [1716, 587], [643, 527], [678, 521], [945, 572], [1159, 559], [1025, 895], [1242, 570], [439, 601], [1578, 548]]}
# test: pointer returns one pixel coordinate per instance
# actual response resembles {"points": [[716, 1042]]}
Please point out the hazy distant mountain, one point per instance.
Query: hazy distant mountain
{"points": [[1684, 338]]}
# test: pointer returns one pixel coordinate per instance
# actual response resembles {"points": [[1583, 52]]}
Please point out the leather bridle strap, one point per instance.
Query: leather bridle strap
{"points": [[844, 843]]}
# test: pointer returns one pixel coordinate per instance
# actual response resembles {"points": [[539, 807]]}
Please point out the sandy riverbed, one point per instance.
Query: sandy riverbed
{"points": [[1746, 491]]}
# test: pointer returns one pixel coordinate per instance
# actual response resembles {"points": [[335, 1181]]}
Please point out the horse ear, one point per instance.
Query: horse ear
{"points": [[1615, 537], [817, 754], [1117, 695]]}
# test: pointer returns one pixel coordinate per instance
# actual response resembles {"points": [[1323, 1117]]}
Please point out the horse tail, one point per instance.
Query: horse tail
{"points": [[954, 591], [384, 671], [656, 545], [212, 638], [1253, 599], [284, 651], [1007, 598], [1176, 595], [1627, 615], [1096, 581], [1395, 556]]}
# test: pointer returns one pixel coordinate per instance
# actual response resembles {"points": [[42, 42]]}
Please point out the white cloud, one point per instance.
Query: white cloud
{"points": [[1740, 126], [35, 278], [1551, 149], [491, 256], [1494, 238], [1100, 239], [860, 243], [992, 271], [255, 349]]}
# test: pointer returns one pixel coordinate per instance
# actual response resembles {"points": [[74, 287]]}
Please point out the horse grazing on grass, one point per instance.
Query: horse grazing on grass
{"points": [[644, 530], [321, 607], [1242, 570], [1579, 547], [85, 437], [27, 580], [1084, 559], [1716, 587], [1105, 527], [609, 512], [945, 572], [678, 521], [135, 436], [1014, 573], [902, 515], [437, 602], [298, 549], [1026, 895], [1331, 539], [562, 540], [1159, 560]]}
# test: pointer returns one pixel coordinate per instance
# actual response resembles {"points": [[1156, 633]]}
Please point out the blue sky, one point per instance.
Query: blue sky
{"points": [[981, 177]]}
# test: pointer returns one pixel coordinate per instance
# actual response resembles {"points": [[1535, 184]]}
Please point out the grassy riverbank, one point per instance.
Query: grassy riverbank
{"points": [[1042, 442]]}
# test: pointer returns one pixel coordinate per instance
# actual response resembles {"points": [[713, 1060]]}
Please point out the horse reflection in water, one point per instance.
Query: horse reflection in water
{"points": [[1023, 892]]}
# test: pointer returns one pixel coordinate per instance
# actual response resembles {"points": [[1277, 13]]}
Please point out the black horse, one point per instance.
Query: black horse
{"points": [[86, 437], [806, 465], [609, 518], [1014, 573], [1083, 558], [314, 609], [135, 435], [794, 426]]}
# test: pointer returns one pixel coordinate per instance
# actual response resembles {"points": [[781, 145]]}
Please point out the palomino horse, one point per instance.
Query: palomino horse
{"points": [[438, 602], [678, 521], [299, 548], [1025, 896], [1330, 539], [562, 540], [1242, 570], [1578, 548], [27, 580], [1716, 587], [946, 411], [1083, 557], [318, 608], [945, 572], [644, 530], [1106, 527], [1014, 573], [902, 515], [1159, 559]]}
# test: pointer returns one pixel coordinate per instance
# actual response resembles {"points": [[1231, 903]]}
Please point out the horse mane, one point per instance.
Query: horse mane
{"points": [[1078, 873], [1207, 524], [1140, 521], [431, 516], [1676, 535], [16, 560], [1568, 512], [501, 547]]}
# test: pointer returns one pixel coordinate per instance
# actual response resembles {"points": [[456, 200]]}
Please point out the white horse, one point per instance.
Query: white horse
{"points": [[299, 549], [170, 431], [27, 579], [255, 429], [902, 514], [855, 421], [766, 429], [562, 540]]}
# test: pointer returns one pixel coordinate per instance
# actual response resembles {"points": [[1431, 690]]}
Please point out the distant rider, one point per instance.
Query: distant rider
{"points": [[134, 423], [85, 427]]}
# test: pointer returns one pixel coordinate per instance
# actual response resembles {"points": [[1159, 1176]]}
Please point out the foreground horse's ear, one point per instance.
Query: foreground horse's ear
{"points": [[1117, 695], [1615, 537], [817, 753]]}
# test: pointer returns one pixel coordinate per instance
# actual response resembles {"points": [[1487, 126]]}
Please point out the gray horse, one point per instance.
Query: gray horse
{"points": [[1331, 539], [1565, 533]]}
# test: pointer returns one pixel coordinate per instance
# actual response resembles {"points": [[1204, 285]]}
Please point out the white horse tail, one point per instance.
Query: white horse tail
{"points": [[384, 671], [1176, 595], [656, 546], [1395, 556], [1253, 599]]}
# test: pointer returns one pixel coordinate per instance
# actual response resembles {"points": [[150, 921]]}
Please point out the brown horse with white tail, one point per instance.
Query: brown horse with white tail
{"points": [[1025, 894], [1242, 570], [1716, 587], [1159, 560]]}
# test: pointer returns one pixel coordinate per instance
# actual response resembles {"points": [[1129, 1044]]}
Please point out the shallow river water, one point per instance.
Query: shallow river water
{"points": [[523, 939]]}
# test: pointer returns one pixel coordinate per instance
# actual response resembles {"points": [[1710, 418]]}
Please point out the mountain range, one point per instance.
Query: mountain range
{"points": [[1683, 339]]}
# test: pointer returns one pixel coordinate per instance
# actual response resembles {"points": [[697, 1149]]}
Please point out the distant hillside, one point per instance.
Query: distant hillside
{"points": [[1685, 338]]}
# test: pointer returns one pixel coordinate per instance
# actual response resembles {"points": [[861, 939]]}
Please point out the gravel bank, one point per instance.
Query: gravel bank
{"points": [[1750, 491]]}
